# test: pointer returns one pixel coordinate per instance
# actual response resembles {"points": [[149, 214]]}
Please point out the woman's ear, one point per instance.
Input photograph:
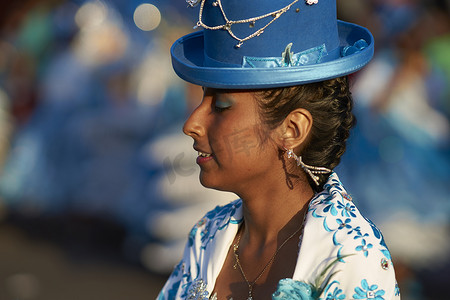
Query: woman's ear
{"points": [[295, 128]]}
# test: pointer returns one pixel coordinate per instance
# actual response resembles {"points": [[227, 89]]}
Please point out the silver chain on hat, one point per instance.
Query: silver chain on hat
{"points": [[228, 23]]}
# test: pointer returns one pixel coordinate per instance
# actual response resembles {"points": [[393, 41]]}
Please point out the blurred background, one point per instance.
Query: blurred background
{"points": [[99, 187]]}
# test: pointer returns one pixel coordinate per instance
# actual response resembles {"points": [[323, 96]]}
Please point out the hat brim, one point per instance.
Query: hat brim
{"points": [[188, 57]]}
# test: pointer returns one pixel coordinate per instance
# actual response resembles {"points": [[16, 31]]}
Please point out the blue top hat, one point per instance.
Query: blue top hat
{"points": [[251, 44]]}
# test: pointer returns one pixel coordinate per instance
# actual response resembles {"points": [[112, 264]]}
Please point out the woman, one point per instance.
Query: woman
{"points": [[271, 127]]}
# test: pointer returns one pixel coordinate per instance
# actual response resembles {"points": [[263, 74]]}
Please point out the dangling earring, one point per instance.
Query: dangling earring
{"points": [[310, 170]]}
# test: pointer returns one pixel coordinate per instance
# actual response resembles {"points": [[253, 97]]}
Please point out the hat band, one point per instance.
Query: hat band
{"points": [[310, 56]]}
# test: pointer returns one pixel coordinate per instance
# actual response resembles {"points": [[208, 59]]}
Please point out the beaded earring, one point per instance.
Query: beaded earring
{"points": [[310, 170]]}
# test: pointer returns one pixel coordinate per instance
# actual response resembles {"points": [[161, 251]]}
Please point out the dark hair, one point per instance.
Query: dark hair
{"points": [[330, 104]]}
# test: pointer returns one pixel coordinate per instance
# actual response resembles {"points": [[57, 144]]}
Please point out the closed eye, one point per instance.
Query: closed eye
{"points": [[221, 103], [220, 109]]}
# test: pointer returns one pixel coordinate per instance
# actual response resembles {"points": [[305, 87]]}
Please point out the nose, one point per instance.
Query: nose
{"points": [[194, 125]]}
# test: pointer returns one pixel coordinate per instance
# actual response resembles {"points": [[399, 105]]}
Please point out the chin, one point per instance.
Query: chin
{"points": [[210, 183]]}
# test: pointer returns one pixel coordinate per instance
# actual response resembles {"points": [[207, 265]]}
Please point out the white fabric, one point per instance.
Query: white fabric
{"points": [[334, 228]]}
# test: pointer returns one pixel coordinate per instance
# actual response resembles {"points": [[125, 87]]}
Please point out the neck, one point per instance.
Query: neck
{"points": [[272, 214]]}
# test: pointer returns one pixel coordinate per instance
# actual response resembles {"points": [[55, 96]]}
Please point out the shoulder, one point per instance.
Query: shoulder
{"points": [[351, 248], [197, 257], [221, 212], [345, 226], [217, 219]]}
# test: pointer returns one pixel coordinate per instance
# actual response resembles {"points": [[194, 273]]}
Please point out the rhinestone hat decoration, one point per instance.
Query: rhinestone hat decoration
{"points": [[251, 21]]}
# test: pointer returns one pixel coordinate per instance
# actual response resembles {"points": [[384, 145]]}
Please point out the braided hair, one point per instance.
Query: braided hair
{"points": [[330, 104]]}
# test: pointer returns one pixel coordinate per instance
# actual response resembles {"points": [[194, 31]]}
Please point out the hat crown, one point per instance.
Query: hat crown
{"points": [[280, 43], [305, 26]]}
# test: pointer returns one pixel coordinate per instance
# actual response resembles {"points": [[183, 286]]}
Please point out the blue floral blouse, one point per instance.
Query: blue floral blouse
{"points": [[342, 255]]}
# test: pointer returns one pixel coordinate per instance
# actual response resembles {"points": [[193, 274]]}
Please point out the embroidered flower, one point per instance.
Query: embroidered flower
{"points": [[368, 292], [329, 207], [336, 295], [217, 219], [347, 210], [364, 247], [191, 237], [356, 230], [292, 289], [344, 224], [359, 234]]}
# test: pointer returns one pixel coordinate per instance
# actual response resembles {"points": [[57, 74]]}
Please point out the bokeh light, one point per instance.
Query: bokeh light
{"points": [[91, 14], [147, 17], [101, 38]]}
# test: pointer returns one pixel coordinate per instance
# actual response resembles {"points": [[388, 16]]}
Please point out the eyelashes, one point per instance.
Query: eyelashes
{"points": [[220, 109]]}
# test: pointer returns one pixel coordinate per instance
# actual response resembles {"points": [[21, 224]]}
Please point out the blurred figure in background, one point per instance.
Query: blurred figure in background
{"points": [[403, 139], [97, 102]]}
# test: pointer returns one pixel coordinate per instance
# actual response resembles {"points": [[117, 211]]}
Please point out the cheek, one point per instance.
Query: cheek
{"points": [[237, 142]]}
